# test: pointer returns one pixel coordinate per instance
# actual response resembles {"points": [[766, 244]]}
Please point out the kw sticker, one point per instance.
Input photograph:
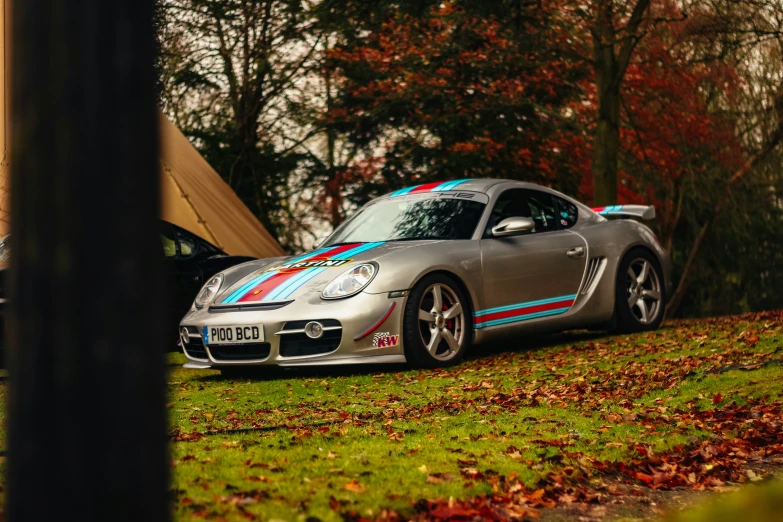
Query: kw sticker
{"points": [[385, 340]]}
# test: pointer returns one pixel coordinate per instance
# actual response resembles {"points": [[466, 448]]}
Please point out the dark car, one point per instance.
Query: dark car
{"points": [[189, 262]]}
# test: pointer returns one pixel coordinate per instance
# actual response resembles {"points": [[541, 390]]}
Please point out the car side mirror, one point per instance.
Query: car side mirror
{"points": [[513, 226]]}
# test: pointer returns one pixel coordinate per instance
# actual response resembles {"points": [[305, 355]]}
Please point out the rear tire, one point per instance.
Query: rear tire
{"points": [[640, 297], [437, 323]]}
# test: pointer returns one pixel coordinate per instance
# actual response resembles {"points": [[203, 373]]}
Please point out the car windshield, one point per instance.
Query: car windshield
{"points": [[410, 219]]}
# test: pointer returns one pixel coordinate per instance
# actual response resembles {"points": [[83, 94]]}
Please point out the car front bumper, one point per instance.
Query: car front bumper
{"points": [[363, 329]]}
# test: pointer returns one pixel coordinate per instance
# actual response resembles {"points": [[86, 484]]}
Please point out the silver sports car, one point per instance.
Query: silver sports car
{"points": [[423, 273]]}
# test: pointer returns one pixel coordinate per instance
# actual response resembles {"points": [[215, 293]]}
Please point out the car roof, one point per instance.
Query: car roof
{"points": [[468, 184]]}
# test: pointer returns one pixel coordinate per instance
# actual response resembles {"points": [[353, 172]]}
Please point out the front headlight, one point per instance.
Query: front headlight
{"points": [[351, 282], [209, 291]]}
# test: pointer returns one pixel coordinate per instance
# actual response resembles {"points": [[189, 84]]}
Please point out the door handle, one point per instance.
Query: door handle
{"points": [[576, 252]]}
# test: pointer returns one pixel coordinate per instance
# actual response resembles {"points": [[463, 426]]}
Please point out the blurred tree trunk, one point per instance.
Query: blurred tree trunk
{"points": [[612, 50], [87, 420]]}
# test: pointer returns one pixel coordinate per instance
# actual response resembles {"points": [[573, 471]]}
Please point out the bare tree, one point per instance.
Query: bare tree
{"points": [[234, 78], [87, 419]]}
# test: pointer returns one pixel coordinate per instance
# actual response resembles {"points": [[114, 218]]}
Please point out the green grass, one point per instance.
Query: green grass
{"points": [[326, 442], [329, 442]]}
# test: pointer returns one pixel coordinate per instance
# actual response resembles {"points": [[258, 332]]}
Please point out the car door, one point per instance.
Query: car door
{"points": [[535, 275]]}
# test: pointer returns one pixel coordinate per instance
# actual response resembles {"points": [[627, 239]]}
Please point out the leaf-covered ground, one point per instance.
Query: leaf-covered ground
{"points": [[577, 424], [519, 428]]}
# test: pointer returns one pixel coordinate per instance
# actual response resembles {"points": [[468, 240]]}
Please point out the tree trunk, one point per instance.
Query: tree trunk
{"points": [[606, 147], [87, 421], [606, 142], [610, 65]]}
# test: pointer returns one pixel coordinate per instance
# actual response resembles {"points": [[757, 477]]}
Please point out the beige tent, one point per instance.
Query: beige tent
{"points": [[196, 198], [193, 195]]}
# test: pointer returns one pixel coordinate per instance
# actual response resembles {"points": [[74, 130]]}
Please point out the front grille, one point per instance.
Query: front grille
{"points": [[240, 352], [298, 344], [248, 307], [195, 348]]}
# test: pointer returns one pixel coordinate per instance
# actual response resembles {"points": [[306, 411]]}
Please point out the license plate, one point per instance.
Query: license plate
{"points": [[253, 333]]}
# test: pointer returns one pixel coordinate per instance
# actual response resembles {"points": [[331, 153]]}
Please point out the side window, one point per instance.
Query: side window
{"points": [[187, 245], [168, 239], [542, 206], [567, 213], [538, 206]]}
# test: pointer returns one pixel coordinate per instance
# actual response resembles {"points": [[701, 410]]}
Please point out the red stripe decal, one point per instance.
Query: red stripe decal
{"points": [[523, 311], [260, 290], [426, 187], [376, 325]]}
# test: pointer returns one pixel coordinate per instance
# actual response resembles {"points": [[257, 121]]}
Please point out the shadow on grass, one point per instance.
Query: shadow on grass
{"points": [[476, 353]]}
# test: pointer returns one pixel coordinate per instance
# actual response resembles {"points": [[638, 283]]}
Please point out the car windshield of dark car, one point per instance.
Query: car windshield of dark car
{"points": [[409, 219]]}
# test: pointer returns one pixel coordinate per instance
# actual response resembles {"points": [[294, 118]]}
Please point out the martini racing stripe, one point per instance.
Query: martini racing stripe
{"points": [[256, 284], [611, 209], [242, 290], [429, 187], [523, 311], [286, 290], [283, 276], [281, 284]]}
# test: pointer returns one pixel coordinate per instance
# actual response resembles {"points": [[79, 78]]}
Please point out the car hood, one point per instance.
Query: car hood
{"points": [[287, 278]]}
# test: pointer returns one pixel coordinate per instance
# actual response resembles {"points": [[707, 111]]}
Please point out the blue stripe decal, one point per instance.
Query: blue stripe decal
{"points": [[522, 317], [402, 192], [449, 185], [235, 296], [524, 305], [611, 209], [308, 275], [358, 250], [273, 295]]}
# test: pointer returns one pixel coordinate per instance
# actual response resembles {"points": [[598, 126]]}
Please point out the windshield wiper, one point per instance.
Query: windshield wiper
{"points": [[344, 243]]}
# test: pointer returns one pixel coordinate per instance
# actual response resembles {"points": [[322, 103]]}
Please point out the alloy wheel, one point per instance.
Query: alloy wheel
{"points": [[643, 289], [441, 322]]}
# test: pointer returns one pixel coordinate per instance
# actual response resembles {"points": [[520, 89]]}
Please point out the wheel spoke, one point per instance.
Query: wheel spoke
{"points": [[452, 312], [632, 275], [642, 306], [437, 298], [644, 273], [435, 337], [632, 300], [652, 294], [452, 342], [426, 316]]}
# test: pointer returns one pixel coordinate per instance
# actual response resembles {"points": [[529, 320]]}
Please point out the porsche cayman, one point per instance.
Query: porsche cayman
{"points": [[423, 273]]}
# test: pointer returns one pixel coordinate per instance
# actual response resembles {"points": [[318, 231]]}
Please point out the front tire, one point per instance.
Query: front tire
{"points": [[437, 323], [640, 299]]}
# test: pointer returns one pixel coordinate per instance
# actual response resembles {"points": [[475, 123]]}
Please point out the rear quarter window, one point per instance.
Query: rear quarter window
{"points": [[567, 213]]}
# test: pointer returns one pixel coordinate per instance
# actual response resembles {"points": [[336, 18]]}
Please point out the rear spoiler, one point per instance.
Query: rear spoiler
{"points": [[646, 212]]}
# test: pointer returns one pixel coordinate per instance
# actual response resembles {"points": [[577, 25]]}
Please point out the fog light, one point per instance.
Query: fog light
{"points": [[184, 335], [314, 330]]}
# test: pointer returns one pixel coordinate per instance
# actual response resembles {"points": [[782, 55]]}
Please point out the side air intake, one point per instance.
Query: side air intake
{"points": [[594, 268]]}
